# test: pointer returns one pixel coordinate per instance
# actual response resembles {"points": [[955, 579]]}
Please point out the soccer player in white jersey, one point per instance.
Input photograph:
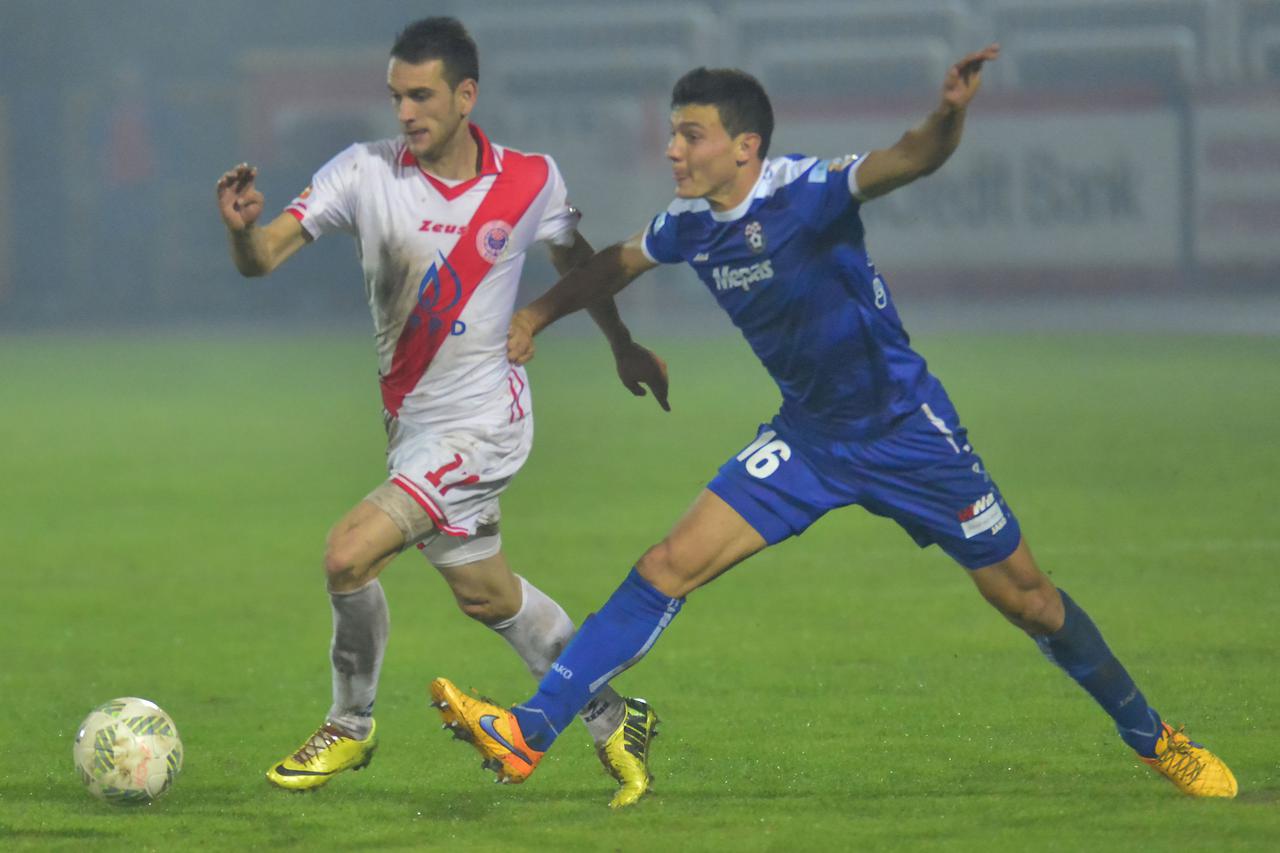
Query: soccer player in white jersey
{"points": [[442, 217], [779, 243]]}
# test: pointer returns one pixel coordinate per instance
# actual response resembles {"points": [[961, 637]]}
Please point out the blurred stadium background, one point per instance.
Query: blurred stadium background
{"points": [[1121, 168]]}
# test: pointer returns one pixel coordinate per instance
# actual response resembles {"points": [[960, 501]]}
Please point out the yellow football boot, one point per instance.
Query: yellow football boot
{"points": [[325, 754], [625, 755], [491, 729], [1191, 767]]}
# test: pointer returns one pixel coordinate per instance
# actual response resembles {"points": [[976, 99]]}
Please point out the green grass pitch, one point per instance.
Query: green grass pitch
{"points": [[164, 504]]}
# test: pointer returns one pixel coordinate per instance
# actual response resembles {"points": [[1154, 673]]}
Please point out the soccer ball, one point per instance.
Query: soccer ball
{"points": [[128, 751]]}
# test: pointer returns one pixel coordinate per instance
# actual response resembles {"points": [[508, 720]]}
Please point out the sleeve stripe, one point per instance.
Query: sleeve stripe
{"points": [[853, 179], [644, 245]]}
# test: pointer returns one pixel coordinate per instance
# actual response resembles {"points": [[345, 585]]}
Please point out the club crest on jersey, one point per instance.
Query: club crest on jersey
{"points": [[492, 240], [755, 236]]}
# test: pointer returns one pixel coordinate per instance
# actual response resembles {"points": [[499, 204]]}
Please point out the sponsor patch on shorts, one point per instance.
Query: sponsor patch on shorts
{"points": [[982, 515]]}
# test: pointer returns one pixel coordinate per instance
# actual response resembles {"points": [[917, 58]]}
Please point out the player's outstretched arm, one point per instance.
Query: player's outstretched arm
{"points": [[637, 365], [603, 311], [255, 250], [602, 276], [923, 149]]}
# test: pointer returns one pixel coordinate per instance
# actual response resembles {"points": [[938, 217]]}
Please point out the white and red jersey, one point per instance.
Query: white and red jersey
{"points": [[442, 262]]}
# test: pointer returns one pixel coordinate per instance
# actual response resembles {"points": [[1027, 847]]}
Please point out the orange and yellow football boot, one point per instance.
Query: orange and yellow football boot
{"points": [[491, 729], [1192, 768]]}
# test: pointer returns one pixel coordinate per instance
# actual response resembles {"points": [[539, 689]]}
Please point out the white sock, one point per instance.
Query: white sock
{"points": [[360, 627], [539, 632]]}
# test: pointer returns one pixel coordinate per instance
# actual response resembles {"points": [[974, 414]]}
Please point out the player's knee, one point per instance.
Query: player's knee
{"points": [[1037, 610], [663, 567], [344, 570], [486, 610]]}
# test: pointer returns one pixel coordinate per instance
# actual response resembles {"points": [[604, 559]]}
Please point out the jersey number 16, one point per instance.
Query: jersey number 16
{"points": [[765, 454]]}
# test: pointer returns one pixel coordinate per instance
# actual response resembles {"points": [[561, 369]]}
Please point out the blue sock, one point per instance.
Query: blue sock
{"points": [[607, 643], [1078, 648]]}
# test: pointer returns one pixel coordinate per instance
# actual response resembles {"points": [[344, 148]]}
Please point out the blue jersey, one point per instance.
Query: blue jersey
{"points": [[790, 267]]}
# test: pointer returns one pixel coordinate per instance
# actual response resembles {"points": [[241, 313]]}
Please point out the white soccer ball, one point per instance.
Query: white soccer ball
{"points": [[128, 751]]}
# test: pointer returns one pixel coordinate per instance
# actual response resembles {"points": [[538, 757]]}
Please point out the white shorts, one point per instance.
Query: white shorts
{"points": [[448, 482]]}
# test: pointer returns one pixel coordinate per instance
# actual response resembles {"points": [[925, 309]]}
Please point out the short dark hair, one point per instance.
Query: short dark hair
{"points": [[737, 96], [444, 39]]}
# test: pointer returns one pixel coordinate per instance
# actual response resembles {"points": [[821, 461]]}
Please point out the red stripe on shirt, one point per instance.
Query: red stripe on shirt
{"points": [[427, 328]]}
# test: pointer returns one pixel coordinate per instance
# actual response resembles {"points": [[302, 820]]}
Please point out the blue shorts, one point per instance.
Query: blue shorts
{"points": [[923, 474]]}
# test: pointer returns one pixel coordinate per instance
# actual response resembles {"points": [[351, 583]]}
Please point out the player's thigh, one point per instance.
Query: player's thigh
{"points": [[398, 508], [360, 545], [774, 486], [766, 492], [477, 573], [709, 539]]}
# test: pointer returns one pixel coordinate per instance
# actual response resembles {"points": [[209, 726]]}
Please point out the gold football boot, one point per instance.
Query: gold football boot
{"points": [[326, 753], [625, 755]]}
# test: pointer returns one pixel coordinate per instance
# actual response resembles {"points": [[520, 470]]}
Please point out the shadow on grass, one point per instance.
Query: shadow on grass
{"points": [[1265, 796]]}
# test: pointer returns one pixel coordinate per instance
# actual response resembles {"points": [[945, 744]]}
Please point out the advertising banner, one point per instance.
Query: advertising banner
{"points": [[1034, 184], [1237, 158]]}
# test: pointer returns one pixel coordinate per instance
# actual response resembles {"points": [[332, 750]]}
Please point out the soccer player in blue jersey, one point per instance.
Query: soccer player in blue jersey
{"points": [[780, 244]]}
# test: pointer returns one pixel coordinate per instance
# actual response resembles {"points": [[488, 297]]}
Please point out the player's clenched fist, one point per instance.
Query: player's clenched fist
{"points": [[239, 201], [520, 339]]}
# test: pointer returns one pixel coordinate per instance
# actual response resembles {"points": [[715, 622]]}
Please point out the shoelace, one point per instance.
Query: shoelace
{"points": [[1180, 758], [324, 737]]}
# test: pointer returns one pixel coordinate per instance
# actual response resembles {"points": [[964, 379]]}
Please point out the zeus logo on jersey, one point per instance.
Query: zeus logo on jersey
{"points": [[982, 515], [728, 278], [433, 227]]}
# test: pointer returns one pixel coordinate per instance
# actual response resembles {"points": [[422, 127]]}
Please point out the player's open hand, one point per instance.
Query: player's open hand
{"points": [[239, 201], [964, 78], [520, 338], [638, 367]]}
